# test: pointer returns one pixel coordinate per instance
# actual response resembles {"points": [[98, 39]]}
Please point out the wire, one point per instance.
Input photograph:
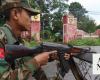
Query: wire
{"points": [[87, 12], [93, 12]]}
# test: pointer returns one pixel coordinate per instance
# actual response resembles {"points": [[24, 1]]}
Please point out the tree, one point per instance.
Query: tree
{"points": [[52, 12], [98, 27], [84, 22], [33, 4], [87, 24], [77, 10], [91, 26]]}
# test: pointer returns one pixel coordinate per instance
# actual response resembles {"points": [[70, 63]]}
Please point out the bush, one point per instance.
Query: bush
{"points": [[30, 44], [86, 42], [78, 42]]}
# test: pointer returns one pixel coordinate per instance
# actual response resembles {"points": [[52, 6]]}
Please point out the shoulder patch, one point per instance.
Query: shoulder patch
{"points": [[3, 37]]}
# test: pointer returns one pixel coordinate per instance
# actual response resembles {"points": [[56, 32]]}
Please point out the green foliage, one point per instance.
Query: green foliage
{"points": [[57, 22], [98, 27], [84, 22], [87, 24], [90, 27], [33, 4], [77, 10], [46, 34], [30, 43], [52, 13], [86, 42]]}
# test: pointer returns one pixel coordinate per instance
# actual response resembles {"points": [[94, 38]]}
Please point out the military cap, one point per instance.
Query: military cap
{"points": [[9, 4]]}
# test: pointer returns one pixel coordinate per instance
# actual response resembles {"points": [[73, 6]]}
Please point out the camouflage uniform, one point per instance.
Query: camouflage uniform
{"points": [[24, 66], [24, 69], [7, 37]]}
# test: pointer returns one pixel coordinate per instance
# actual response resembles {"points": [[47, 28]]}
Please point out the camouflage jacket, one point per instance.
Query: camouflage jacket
{"points": [[23, 70], [6, 35]]}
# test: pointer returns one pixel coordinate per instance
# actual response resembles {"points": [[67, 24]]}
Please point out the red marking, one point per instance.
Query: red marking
{"points": [[1, 53]]}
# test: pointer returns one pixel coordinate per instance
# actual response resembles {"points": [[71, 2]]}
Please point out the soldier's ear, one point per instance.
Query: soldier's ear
{"points": [[15, 14]]}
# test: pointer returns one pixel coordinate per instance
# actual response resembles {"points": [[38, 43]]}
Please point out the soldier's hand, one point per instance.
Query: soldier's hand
{"points": [[67, 56], [42, 58], [53, 56]]}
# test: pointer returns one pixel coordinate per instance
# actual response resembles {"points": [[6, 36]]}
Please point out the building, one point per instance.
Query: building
{"points": [[80, 33], [69, 27], [97, 32], [34, 29]]}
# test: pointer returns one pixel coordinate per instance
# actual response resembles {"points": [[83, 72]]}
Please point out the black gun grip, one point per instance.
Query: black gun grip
{"points": [[64, 65]]}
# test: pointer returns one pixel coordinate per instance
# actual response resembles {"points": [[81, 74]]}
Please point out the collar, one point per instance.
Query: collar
{"points": [[8, 26]]}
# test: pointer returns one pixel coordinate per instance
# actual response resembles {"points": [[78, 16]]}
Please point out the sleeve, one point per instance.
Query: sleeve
{"points": [[31, 64], [3, 36]]}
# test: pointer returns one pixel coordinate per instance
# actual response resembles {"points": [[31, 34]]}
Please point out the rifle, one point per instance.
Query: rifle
{"points": [[66, 64], [12, 52], [62, 48]]}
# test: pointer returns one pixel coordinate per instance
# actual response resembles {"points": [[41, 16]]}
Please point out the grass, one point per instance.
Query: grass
{"points": [[86, 42], [78, 42]]}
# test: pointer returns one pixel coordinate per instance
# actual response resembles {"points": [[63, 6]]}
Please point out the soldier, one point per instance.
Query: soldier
{"points": [[17, 15]]}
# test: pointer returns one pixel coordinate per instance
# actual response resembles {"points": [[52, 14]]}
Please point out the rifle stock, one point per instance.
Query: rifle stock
{"points": [[18, 51]]}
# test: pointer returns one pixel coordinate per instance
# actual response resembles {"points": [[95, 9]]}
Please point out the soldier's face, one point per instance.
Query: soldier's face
{"points": [[23, 20]]}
